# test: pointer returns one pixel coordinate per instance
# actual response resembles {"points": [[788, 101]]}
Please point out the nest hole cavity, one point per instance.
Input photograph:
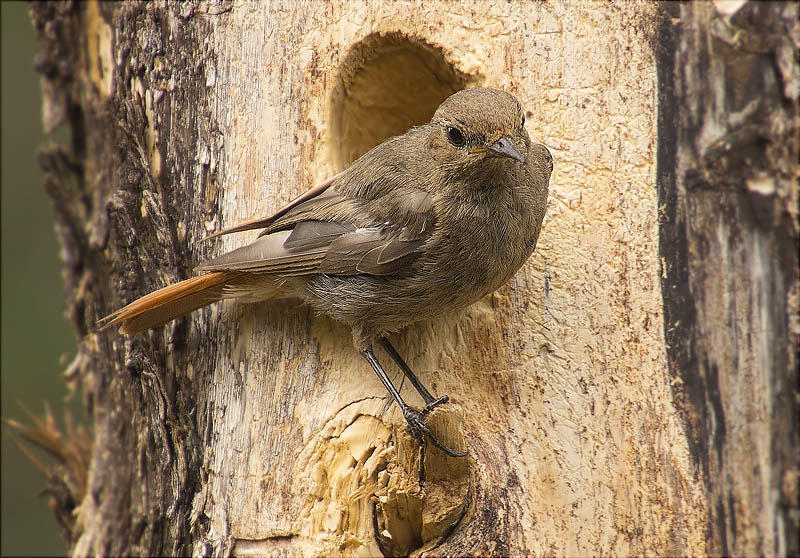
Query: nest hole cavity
{"points": [[388, 83]]}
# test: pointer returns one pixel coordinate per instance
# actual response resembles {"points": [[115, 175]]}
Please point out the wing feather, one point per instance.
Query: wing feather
{"points": [[375, 251], [267, 221], [325, 231]]}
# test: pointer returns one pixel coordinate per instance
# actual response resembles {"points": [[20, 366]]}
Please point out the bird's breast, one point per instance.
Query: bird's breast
{"points": [[475, 251]]}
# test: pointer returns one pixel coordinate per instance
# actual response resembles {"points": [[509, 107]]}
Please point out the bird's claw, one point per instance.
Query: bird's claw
{"points": [[435, 403], [415, 424]]}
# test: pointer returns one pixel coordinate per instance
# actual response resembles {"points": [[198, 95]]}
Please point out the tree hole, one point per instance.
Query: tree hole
{"points": [[387, 84]]}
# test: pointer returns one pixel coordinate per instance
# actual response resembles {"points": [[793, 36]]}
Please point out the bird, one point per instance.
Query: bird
{"points": [[423, 224]]}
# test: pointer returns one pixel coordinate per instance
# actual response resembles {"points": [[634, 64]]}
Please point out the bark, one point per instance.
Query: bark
{"points": [[607, 395], [728, 148]]}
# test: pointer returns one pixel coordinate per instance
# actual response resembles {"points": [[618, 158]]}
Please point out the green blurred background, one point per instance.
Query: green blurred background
{"points": [[37, 342]]}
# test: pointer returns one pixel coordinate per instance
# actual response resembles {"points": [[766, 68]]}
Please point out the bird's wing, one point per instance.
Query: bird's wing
{"points": [[264, 222], [326, 232], [372, 251]]}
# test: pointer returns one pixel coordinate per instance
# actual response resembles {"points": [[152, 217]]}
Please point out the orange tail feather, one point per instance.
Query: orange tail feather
{"points": [[170, 302]]}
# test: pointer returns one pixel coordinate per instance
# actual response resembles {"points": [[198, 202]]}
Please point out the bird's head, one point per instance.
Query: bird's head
{"points": [[478, 130]]}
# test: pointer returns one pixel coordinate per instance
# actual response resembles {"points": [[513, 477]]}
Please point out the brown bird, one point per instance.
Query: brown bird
{"points": [[424, 223]]}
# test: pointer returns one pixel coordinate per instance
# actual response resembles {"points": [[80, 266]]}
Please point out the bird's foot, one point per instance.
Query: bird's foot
{"points": [[415, 423], [435, 403]]}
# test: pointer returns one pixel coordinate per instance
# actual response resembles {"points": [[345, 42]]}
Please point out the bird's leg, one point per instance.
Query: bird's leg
{"points": [[430, 401], [415, 420]]}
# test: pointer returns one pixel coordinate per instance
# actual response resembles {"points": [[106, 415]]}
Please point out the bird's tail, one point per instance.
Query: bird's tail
{"points": [[173, 301]]}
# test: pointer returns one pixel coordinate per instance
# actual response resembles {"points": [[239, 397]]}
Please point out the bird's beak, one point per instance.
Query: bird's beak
{"points": [[504, 147]]}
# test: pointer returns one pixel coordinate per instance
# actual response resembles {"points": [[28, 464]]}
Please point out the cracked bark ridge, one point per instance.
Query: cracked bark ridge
{"points": [[109, 195], [727, 168]]}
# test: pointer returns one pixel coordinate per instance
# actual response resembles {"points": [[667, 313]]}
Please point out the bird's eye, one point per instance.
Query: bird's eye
{"points": [[455, 136]]}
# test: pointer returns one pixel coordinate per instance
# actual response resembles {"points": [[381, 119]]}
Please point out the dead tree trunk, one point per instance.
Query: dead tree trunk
{"points": [[727, 170], [631, 391]]}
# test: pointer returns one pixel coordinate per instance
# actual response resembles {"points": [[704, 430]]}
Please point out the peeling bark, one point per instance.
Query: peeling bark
{"points": [[728, 132]]}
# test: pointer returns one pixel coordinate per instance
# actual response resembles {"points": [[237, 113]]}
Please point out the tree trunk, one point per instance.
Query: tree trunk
{"points": [[632, 390], [727, 183]]}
